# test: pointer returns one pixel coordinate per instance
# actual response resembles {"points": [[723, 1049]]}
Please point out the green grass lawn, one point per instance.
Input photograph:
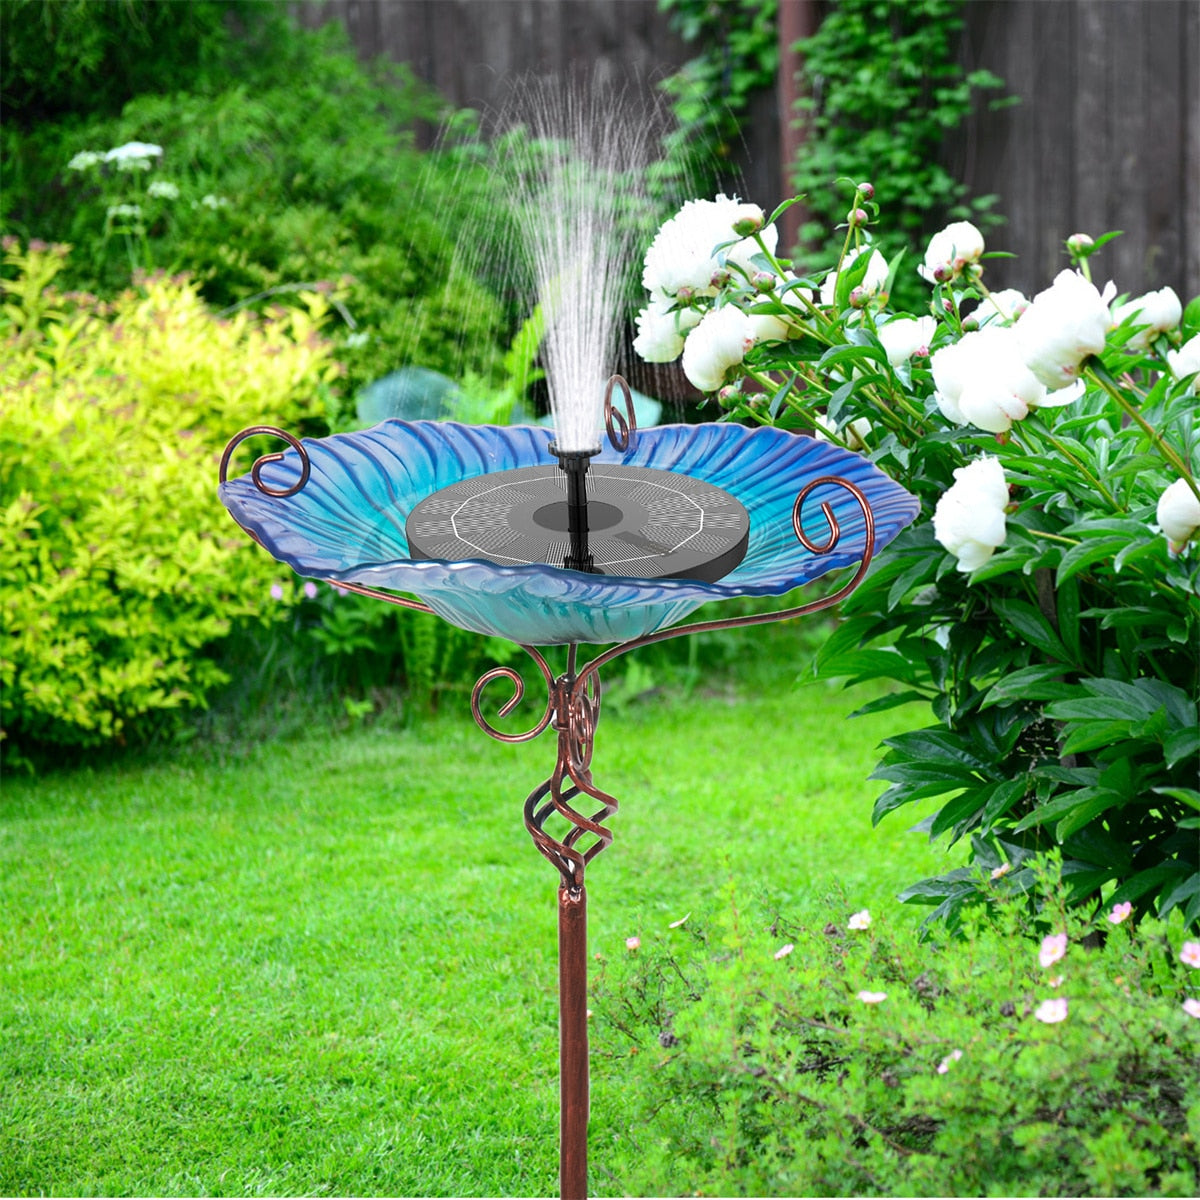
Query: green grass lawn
{"points": [[327, 965]]}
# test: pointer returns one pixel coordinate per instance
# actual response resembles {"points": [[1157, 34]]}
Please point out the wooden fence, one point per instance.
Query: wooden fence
{"points": [[1107, 134]]}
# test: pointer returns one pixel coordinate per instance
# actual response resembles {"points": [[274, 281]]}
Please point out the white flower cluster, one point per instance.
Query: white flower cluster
{"points": [[706, 272], [690, 257]]}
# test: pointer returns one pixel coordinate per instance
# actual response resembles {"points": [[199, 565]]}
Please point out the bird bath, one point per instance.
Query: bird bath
{"points": [[604, 535]]}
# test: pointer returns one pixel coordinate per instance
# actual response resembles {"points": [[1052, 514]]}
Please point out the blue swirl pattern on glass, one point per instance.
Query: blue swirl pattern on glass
{"points": [[348, 522]]}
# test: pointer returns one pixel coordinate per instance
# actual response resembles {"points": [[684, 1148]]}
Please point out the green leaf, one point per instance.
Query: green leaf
{"points": [[1092, 735], [1179, 893], [1091, 708], [1032, 626], [1084, 813], [894, 700], [1003, 797], [1040, 682], [1068, 617], [935, 745], [1083, 555], [1188, 796], [1144, 881], [954, 811], [1181, 744], [1064, 803]]}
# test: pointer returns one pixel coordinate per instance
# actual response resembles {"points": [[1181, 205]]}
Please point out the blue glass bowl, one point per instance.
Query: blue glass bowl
{"points": [[347, 524]]}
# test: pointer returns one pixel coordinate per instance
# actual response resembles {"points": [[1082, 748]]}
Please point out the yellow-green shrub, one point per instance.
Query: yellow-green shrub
{"points": [[118, 565]]}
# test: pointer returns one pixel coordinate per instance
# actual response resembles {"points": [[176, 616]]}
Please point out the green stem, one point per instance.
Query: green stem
{"points": [[1156, 439], [779, 270], [1028, 428]]}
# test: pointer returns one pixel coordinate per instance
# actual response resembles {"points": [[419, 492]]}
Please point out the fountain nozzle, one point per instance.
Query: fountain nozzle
{"points": [[575, 464]]}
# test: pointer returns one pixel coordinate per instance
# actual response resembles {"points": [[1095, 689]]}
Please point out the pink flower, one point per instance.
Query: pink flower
{"points": [[1052, 1011], [1191, 1006], [860, 920], [632, 943], [1189, 953], [944, 1065], [276, 591], [872, 997], [1053, 948], [310, 589], [784, 951], [1120, 912], [1002, 870]]}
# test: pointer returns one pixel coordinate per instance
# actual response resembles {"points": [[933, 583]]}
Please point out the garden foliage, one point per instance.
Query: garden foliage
{"points": [[119, 565], [1046, 603], [764, 1058], [283, 163], [885, 88], [712, 94]]}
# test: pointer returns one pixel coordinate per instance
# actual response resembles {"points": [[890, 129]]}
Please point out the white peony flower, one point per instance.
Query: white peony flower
{"points": [[1002, 306], [1178, 514], [163, 189], [661, 330], [950, 250], [902, 337], [767, 327], [969, 518], [718, 343], [85, 159], [981, 380], [1157, 311], [872, 282], [681, 254], [1062, 326], [133, 156], [1185, 360]]}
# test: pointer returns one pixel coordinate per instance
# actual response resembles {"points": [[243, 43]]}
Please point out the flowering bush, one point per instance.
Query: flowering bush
{"points": [[118, 566], [1045, 605], [860, 1063]]}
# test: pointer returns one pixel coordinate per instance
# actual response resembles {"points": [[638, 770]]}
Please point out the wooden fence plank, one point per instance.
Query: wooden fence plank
{"points": [[1107, 134]]}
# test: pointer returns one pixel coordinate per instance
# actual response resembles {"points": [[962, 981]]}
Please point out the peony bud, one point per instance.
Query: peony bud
{"points": [[859, 297], [1178, 514], [857, 216], [874, 280], [763, 281], [1079, 244], [950, 251], [866, 191], [685, 295], [748, 225], [720, 278], [730, 394]]}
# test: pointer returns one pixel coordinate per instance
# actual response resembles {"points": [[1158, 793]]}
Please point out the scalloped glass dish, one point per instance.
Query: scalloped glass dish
{"points": [[347, 524]]}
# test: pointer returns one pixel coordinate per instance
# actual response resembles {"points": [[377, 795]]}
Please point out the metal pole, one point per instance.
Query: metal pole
{"points": [[573, 1041]]}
